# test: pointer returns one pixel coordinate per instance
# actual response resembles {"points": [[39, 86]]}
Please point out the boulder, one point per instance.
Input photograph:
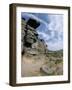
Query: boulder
{"points": [[48, 70]]}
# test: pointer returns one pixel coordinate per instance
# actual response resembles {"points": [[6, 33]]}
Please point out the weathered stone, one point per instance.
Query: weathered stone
{"points": [[48, 70], [32, 51], [29, 32], [33, 23], [30, 38]]}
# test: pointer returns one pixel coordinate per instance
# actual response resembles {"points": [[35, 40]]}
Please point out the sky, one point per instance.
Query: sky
{"points": [[50, 29]]}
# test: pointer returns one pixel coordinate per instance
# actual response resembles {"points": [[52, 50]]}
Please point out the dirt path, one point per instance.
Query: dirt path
{"points": [[31, 65]]}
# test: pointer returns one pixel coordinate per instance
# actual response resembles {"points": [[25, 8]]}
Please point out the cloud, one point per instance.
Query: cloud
{"points": [[55, 46], [56, 22], [51, 31], [54, 33], [43, 36]]}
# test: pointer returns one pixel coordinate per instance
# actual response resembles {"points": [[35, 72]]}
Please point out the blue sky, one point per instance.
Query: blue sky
{"points": [[50, 29]]}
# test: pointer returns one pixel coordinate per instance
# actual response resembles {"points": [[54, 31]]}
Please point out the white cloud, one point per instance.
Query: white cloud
{"points": [[55, 25], [55, 46]]}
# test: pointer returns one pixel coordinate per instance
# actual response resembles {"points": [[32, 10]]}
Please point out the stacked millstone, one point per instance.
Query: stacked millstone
{"points": [[30, 42]]}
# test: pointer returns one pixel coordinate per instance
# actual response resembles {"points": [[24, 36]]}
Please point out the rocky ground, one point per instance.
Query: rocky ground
{"points": [[41, 65]]}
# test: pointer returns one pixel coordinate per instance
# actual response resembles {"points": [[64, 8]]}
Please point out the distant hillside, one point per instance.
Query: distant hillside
{"points": [[58, 53]]}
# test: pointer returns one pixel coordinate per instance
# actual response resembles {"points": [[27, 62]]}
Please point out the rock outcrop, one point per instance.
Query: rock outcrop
{"points": [[30, 42]]}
